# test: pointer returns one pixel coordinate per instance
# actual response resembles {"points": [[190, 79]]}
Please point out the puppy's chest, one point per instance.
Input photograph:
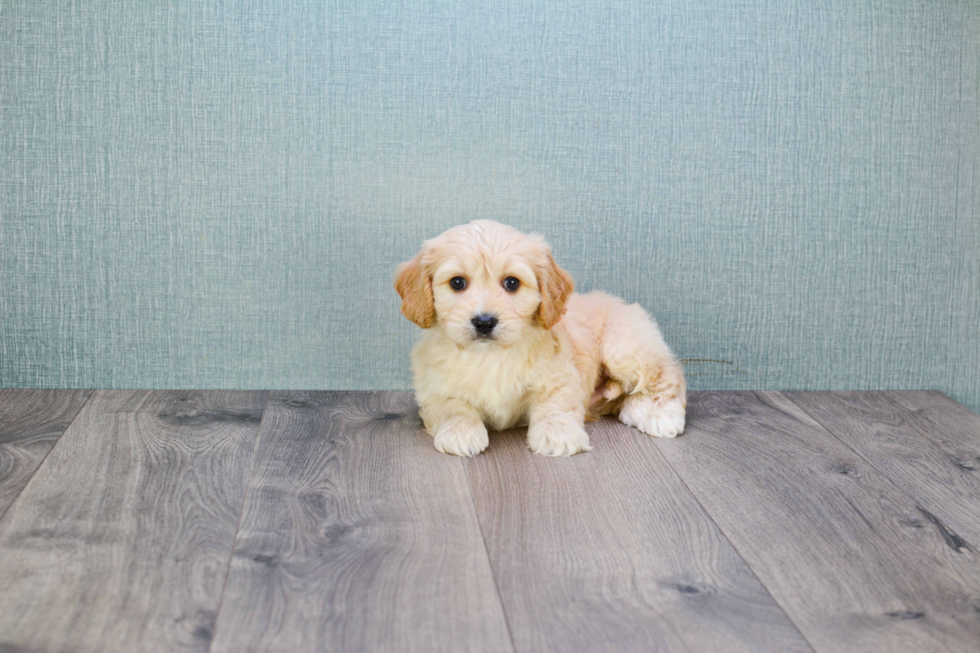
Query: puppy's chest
{"points": [[498, 385]]}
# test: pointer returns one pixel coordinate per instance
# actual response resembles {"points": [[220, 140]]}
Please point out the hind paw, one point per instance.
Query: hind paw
{"points": [[661, 420]]}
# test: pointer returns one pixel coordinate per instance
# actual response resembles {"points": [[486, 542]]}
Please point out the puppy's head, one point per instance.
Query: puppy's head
{"points": [[483, 283]]}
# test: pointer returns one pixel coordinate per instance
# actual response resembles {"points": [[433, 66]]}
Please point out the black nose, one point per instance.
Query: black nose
{"points": [[484, 324]]}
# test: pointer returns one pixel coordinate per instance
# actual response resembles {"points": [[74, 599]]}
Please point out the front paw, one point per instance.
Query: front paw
{"points": [[558, 438], [462, 439]]}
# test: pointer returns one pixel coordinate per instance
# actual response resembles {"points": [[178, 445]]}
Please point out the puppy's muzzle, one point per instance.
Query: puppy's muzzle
{"points": [[484, 325]]}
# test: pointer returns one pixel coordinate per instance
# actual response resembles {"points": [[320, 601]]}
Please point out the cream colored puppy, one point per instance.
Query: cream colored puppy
{"points": [[508, 343]]}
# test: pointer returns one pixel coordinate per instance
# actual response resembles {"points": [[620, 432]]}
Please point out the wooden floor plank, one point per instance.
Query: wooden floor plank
{"points": [[844, 551], [357, 536], [924, 442], [609, 551], [121, 540], [31, 421]]}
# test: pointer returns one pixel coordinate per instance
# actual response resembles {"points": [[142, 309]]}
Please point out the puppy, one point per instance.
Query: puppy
{"points": [[507, 343]]}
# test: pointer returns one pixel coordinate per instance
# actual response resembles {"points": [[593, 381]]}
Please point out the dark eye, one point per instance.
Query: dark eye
{"points": [[457, 283], [511, 284]]}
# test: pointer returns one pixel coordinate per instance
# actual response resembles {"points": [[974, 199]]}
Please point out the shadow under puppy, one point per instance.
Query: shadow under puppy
{"points": [[508, 343]]}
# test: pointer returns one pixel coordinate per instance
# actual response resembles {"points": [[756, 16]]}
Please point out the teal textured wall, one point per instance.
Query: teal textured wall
{"points": [[202, 194]]}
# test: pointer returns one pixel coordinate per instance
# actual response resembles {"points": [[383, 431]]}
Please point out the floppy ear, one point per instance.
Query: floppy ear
{"points": [[555, 286], [413, 284]]}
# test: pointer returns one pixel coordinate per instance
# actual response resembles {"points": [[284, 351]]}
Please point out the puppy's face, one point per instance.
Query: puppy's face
{"points": [[483, 284]]}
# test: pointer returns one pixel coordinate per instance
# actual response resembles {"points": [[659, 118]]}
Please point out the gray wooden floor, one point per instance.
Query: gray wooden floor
{"points": [[325, 521]]}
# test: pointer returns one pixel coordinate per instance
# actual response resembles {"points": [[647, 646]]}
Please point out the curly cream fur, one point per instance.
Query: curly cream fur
{"points": [[557, 358]]}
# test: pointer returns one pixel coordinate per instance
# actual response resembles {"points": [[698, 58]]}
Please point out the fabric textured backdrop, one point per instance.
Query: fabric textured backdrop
{"points": [[203, 194]]}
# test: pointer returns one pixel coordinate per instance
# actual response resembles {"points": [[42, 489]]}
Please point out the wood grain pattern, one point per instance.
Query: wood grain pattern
{"points": [[847, 519], [924, 442], [610, 552], [846, 553], [121, 540], [31, 421], [357, 535]]}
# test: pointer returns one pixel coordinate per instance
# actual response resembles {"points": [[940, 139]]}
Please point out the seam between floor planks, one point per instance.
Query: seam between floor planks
{"points": [[134, 455], [610, 551], [407, 432], [735, 548], [241, 512], [942, 498], [364, 531], [713, 465], [486, 552], [88, 395]]}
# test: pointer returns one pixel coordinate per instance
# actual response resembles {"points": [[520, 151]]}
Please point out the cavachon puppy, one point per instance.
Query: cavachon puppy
{"points": [[507, 343]]}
